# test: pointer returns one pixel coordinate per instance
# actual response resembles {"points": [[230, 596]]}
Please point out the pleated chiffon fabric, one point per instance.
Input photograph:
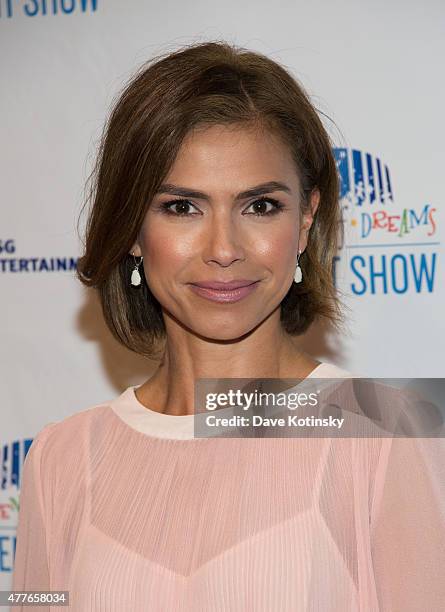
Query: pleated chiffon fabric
{"points": [[124, 509]]}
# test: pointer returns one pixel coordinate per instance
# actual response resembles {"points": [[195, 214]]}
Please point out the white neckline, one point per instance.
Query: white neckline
{"points": [[156, 424]]}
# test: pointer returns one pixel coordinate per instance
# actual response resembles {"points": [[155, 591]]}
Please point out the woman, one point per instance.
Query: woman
{"points": [[210, 241]]}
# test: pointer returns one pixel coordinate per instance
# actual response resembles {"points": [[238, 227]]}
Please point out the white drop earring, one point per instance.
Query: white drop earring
{"points": [[135, 275], [298, 276]]}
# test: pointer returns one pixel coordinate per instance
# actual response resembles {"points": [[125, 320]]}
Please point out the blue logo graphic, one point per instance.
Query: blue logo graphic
{"points": [[374, 222], [363, 177], [12, 458]]}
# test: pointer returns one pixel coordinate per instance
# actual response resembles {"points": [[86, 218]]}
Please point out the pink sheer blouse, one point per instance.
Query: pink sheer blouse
{"points": [[121, 506]]}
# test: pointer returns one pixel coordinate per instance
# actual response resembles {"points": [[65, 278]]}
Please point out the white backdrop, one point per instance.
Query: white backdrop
{"points": [[374, 67]]}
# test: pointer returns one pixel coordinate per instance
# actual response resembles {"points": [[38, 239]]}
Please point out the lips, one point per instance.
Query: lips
{"points": [[225, 295], [224, 286]]}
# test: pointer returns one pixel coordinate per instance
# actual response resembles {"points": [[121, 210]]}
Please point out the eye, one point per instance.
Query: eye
{"points": [[262, 202], [182, 206]]}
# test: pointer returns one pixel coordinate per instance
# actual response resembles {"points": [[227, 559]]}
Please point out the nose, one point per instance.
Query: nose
{"points": [[223, 240]]}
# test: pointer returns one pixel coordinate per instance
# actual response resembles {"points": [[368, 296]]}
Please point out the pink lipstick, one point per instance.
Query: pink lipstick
{"points": [[228, 292]]}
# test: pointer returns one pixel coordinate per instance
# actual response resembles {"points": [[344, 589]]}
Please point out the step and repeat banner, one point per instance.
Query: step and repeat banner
{"points": [[373, 71]]}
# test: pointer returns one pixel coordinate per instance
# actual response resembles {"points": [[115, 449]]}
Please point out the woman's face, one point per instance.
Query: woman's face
{"points": [[215, 235]]}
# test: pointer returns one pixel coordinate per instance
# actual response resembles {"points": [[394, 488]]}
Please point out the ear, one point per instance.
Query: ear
{"points": [[136, 250], [308, 218]]}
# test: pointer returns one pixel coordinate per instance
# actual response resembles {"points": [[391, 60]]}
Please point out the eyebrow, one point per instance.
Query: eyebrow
{"points": [[249, 193]]}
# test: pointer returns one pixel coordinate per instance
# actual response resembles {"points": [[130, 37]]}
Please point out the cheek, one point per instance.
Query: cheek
{"points": [[277, 250], [165, 250]]}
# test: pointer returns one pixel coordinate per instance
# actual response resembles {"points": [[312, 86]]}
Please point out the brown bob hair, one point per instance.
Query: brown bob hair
{"points": [[200, 85]]}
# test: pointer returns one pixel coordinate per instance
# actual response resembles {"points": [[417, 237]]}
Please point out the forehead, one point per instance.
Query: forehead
{"points": [[244, 156]]}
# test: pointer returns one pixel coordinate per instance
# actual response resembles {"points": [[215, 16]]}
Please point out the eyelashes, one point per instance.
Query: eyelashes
{"points": [[165, 207]]}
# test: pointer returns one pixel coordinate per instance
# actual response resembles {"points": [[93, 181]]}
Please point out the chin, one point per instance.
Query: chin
{"points": [[224, 331]]}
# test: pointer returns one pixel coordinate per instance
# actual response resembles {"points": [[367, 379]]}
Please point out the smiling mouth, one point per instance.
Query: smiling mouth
{"points": [[224, 285], [224, 295]]}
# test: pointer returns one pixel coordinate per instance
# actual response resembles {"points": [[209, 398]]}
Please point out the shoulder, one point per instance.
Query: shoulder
{"points": [[57, 466], [64, 440]]}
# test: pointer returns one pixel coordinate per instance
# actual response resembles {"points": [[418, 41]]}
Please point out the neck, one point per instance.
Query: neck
{"points": [[268, 352]]}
